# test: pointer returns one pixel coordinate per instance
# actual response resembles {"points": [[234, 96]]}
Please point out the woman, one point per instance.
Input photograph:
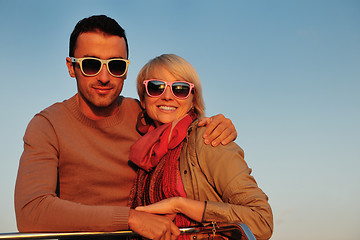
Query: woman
{"points": [[178, 173]]}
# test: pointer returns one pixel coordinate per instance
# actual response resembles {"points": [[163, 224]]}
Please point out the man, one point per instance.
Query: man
{"points": [[74, 173]]}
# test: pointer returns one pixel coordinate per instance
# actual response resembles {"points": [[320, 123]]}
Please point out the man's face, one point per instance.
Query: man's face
{"points": [[100, 91]]}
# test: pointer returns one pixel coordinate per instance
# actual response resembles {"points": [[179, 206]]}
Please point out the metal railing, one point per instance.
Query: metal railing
{"points": [[234, 231]]}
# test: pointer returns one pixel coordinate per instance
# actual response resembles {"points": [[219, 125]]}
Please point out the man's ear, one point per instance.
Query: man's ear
{"points": [[125, 76], [70, 67]]}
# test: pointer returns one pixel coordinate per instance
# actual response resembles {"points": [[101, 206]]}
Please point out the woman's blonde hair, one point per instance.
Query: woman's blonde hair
{"points": [[180, 69]]}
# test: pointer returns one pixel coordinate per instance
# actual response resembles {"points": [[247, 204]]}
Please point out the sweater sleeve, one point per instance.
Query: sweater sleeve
{"points": [[228, 173], [38, 207]]}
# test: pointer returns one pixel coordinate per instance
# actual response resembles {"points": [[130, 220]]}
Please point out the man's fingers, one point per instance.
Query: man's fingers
{"points": [[211, 126], [229, 139], [204, 121], [152, 226], [175, 231], [221, 132], [215, 130], [217, 140], [168, 233]]}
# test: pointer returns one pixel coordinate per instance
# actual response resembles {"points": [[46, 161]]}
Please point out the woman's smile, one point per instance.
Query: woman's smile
{"points": [[167, 108]]}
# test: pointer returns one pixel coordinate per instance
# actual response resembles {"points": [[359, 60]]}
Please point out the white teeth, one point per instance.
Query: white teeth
{"points": [[167, 108]]}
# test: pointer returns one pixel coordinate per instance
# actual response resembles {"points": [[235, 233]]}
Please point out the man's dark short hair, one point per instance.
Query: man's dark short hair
{"points": [[95, 23]]}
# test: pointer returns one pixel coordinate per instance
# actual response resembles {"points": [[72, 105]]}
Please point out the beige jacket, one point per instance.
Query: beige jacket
{"points": [[221, 177]]}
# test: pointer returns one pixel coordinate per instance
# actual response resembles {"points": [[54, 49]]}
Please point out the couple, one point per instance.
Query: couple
{"points": [[74, 173]]}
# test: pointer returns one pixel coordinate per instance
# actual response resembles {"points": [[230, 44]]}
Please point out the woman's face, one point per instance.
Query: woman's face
{"points": [[166, 108]]}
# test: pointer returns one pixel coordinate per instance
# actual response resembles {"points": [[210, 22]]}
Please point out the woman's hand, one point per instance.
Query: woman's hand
{"points": [[218, 130], [165, 207], [171, 206]]}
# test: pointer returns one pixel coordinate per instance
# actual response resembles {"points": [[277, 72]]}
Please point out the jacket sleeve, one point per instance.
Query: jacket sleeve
{"points": [[226, 170], [37, 205]]}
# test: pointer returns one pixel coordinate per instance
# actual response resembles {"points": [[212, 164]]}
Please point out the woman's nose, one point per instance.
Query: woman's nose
{"points": [[167, 94]]}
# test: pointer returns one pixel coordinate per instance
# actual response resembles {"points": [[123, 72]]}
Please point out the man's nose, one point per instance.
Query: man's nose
{"points": [[104, 75]]}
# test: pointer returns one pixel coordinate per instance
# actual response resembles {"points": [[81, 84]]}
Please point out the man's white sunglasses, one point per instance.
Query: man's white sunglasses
{"points": [[91, 66]]}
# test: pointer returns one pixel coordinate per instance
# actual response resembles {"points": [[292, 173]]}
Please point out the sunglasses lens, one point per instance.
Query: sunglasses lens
{"points": [[155, 88], [181, 89], [117, 67], [91, 66]]}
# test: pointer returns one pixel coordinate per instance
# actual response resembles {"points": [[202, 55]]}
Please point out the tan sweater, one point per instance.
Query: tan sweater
{"points": [[74, 173]]}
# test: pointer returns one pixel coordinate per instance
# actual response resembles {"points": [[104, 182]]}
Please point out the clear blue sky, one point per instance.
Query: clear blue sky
{"points": [[286, 72]]}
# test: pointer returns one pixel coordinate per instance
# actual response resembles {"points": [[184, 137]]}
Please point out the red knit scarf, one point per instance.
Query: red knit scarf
{"points": [[158, 159]]}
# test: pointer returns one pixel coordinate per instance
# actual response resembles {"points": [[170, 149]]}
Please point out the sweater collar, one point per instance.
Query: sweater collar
{"points": [[73, 106]]}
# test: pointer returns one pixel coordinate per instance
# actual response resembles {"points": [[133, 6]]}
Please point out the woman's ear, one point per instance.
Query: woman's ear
{"points": [[70, 67], [142, 103]]}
